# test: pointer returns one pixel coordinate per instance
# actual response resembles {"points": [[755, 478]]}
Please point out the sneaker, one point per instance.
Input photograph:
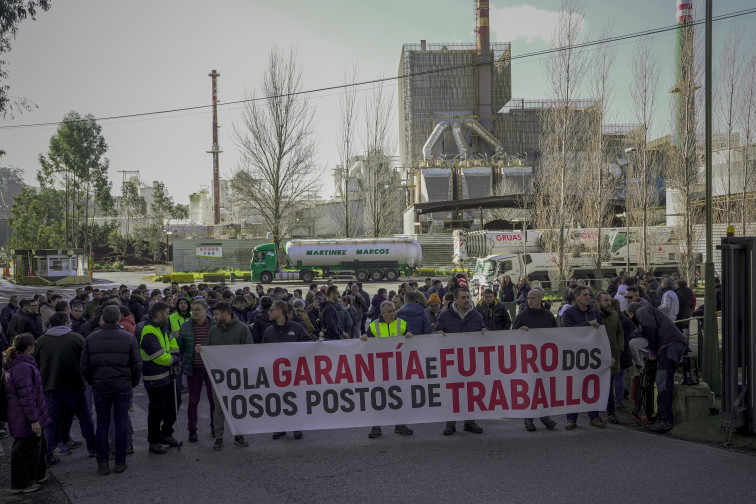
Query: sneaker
{"points": [[193, 437], [44, 478], [549, 423], [278, 435], [449, 430], [157, 449], [403, 430], [661, 426], [298, 434], [120, 468], [73, 444], [240, 441], [375, 432], [218, 446], [29, 489], [61, 450], [597, 422], [571, 424], [169, 441], [613, 419], [529, 425], [103, 469], [52, 461], [474, 428]]}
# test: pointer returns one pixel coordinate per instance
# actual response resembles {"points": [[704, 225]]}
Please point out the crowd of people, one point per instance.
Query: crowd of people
{"points": [[61, 358]]}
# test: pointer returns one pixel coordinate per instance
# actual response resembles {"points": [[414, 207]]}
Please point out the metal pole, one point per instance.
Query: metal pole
{"points": [[710, 364]]}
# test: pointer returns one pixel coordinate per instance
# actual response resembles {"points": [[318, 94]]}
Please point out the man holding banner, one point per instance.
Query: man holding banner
{"points": [[460, 316], [385, 326]]}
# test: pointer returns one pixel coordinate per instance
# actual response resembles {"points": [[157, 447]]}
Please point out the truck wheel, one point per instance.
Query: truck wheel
{"points": [[376, 275], [307, 276], [266, 277], [361, 275], [391, 274]]}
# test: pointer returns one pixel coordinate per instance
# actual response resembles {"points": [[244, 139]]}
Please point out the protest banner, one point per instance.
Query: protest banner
{"points": [[427, 378]]}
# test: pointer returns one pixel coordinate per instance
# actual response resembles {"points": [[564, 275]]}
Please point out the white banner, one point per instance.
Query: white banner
{"points": [[429, 378], [212, 251]]}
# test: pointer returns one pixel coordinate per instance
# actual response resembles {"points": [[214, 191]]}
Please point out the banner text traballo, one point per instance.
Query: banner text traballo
{"points": [[429, 378]]}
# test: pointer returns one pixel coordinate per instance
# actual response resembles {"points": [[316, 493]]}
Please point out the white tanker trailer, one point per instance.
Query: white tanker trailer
{"points": [[366, 259]]}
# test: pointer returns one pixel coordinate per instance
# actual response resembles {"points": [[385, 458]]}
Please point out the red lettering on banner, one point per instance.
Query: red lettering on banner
{"points": [[454, 387], [571, 401], [461, 357], [546, 366], [476, 391], [445, 361], [512, 360], [498, 397], [486, 351], [384, 357], [365, 370], [323, 367], [519, 394], [302, 373], [529, 355], [552, 391], [414, 367], [539, 395], [591, 380], [281, 377], [398, 358], [343, 371]]}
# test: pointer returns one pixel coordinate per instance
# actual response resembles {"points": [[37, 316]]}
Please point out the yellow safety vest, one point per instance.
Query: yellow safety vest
{"points": [[177, 320], [385, 330]]}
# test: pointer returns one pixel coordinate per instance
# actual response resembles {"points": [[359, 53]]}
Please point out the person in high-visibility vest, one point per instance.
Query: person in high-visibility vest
{"points": [[385, 326]]}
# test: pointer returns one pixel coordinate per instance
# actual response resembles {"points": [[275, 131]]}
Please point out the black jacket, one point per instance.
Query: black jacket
{"points": [[136, 306], [507, 293], [657, 328], [262, 322], [534, 318], [329, 321], [25, 322], [290, 332], [495, 316], [111, 361]]}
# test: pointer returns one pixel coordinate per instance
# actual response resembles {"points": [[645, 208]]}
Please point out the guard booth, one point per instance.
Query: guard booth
{"points": [[738, 333], [50, 267]]}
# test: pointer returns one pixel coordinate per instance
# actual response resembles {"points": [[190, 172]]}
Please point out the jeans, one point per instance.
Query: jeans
{"points": [[219, 419], [668, 360], [610, 409], [112, 431], [118, 402], [198, 378], [161, 412], [619, 387], [75, 400], [28, 461]]}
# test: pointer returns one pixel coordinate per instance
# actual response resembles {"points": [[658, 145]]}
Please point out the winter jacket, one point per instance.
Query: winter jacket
{"points": [[262, 322], [685, 298], [5, 315], [26, 400], [329, 320], [375, 306], [522, 296], [356, 328], [360, 305], [658, 329], [111, 361], [290, 332], [616, 336], [24, 323], [418, 321], [46, 311], [76, 323], [136, 306], [575, 317], [628, 328], [432, 316], [128, 323], [507, 293], [186, 344], [534, 318], [669, 304], [159, 351], [89, 308], [452, 321], [58, 356], [176, 320], [234, 333], [248, 315], [345, 320], [495, 316], [90, 327], [307, 321]]}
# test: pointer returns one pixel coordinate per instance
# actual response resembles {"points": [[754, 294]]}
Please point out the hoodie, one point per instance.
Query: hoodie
{"points": [[417, 319], [58, 355]]}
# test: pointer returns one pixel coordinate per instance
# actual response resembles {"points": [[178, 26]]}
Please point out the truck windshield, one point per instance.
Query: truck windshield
{"points": [[485, 268], [259, 256]]}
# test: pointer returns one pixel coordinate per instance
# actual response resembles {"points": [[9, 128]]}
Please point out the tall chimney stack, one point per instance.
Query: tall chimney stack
{"points": [[485, 114]]}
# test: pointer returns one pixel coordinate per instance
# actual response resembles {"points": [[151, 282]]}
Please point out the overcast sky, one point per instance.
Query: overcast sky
{"points": [[112, 57]]}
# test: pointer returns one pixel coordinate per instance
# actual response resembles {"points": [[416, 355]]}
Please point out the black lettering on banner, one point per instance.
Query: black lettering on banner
{"points": [[346, 398], [312, 399], [595, 358], [430, 368], [233, 379], [218, 375], [262, 378], [238, 407], [434, 395], [288, 399], [273, 405], [330, 401], [394, 392], [255, 408], [568, 360], [417, 395], [378, 398], [362, 391]]}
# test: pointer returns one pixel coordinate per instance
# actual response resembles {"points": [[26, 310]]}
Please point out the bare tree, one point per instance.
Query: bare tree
{"points": [[346, 142], [556, 186], [747, 109], [380, 180], [277, 144], [642, 189], [731, 59]]}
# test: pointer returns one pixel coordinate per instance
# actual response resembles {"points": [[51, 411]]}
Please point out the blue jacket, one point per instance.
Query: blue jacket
{"points": [[418, 321], [451, 321], [5, 315], [575, 317]]}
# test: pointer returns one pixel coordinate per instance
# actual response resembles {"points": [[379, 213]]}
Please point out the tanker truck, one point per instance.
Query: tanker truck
{"points": [[365, 259]]}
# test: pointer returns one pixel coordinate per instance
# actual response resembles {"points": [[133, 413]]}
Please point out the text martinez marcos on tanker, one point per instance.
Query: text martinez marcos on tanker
{"points": [[344, 252]]}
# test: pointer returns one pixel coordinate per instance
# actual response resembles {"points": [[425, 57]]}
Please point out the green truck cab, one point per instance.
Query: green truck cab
{"points": [[264, 263]]}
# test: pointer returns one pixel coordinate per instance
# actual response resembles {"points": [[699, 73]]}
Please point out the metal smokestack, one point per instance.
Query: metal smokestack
{"points": [[485, 114], [685, 68]]}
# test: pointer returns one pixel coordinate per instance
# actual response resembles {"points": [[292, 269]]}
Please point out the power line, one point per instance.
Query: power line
{"points": [[608, 40]]}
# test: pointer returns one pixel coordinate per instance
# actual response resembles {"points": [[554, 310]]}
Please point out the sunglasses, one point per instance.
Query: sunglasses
{"points": [[629, 297]]}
